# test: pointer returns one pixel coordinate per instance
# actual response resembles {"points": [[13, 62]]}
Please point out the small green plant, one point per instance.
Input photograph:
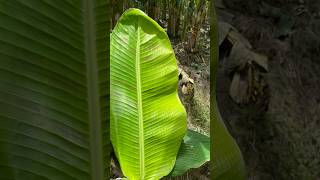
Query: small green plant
{"points": [[148, 121]]}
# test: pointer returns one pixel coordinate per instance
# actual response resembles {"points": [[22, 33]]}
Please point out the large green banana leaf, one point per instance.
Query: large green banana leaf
{"points": [[227, 161], [54, 89], [148, 120]]}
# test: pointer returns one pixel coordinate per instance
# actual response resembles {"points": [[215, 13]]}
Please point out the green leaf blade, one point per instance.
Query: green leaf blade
{"points": [[227, 161], [148, 120], [53, 119], [193, 153]]}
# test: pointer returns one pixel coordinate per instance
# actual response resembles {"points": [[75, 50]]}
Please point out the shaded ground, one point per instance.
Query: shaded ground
{"points": [[284, 141]]}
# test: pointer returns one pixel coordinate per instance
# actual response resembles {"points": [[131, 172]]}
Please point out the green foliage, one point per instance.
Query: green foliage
{"points": [[194, 151], [53, 90], [148, 120], [227, 160]]}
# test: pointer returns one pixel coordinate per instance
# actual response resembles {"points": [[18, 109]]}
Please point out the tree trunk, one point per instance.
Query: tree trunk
{"points": [[174, 18], [197, 22]]}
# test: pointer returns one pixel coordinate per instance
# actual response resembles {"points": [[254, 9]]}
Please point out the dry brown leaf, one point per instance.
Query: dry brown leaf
{"points": [[224, 29], [238, 89], [261, 60], [235, 37], [239, 57]]}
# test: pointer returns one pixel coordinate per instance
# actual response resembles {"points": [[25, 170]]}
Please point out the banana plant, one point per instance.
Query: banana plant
{"points": [[199, 13], [227, 161], [148, 121], [54, 90], [174, 10]]}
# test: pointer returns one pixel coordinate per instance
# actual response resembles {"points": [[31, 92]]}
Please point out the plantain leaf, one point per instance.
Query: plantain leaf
{"points": [[193, 153], [148, 120], [54, 89], [227, 160]]}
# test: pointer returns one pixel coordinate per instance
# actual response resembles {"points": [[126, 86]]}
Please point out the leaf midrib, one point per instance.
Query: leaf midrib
{"points": [[139, 104], [93, 92]]}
